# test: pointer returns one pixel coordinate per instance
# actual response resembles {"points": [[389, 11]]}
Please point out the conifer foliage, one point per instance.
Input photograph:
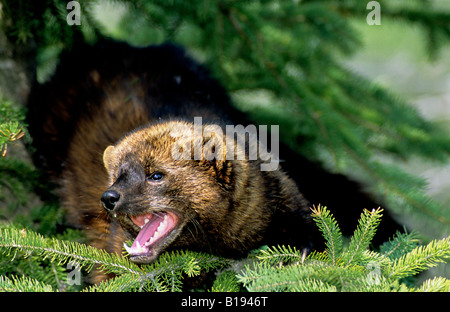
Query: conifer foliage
{"points": [[281, 61], [350, 267], [341, 267]]}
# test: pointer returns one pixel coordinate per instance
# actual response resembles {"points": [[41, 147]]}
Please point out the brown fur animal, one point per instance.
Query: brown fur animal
{"points": [[130, 99], [220, 206]]}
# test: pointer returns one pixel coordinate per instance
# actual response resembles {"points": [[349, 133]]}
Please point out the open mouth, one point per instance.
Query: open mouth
{"points": [[155, 230]]}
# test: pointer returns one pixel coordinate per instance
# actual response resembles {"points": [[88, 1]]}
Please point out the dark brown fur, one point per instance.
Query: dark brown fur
{"points": [[225, 206]]}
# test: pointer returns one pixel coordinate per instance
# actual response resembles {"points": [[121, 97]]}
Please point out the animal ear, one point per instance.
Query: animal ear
{"points": [[107, 157]]}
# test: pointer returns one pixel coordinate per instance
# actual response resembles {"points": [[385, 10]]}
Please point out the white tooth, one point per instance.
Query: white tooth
{"points": [[162, 227], [163, 223], [146, 221], [127, 248], [141, 226]]}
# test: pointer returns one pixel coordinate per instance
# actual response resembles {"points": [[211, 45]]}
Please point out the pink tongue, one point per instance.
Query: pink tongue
{"points": [[148, 230]]}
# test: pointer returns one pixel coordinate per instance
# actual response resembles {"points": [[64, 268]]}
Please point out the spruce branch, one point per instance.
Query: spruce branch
{"points": [[437, 284], [11, 125], [9, 132], [330, 230], [399, 245], [227, 281], [358, 268], [124, 282], [364, 234], [58, 251], [165, 274], [420, 259], [263, 277], [23, 284], [281, 255]]}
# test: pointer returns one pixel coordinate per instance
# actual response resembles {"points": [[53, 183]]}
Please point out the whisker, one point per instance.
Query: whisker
{"points": [[198, 229]]}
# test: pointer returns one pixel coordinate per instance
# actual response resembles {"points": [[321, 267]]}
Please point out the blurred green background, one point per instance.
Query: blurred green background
{"points": [[394, 56]]}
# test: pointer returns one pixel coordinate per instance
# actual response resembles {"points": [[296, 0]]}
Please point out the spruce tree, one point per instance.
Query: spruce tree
{"points": [[281, 61], [349, 267]]}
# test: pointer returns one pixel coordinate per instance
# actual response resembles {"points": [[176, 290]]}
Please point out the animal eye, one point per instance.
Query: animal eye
{"points": [[155, 176]]}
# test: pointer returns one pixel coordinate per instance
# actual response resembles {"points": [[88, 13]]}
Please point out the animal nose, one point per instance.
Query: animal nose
{"points": [[110, 199]]}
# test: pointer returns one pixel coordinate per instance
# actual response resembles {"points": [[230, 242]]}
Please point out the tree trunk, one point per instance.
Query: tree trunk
{"points": [[17, 67]]}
